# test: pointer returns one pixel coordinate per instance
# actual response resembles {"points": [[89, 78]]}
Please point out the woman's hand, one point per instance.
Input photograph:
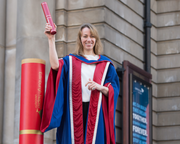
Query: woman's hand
{"points": [[93, 85], [48, 28]]}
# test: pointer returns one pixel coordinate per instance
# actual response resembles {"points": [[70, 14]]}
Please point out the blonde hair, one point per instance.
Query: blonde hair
{"points": [[98, 45]]}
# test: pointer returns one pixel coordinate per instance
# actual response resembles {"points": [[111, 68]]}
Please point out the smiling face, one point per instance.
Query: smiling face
{"points": [[88, 41]]}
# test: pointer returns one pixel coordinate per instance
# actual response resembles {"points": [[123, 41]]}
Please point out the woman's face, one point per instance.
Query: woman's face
{"points": [[88, 41]]}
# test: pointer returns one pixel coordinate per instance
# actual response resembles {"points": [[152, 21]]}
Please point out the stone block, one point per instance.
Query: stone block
{"points": [[154, 132], [9, 96], [168, 104], [61, 49], [61, 34], [137, 6], [155, 118], [125, 13], [154, 47], [72, 33], [120, 55], [116, 64], [168, 75], [61, 4], [168, 118], [154, 104], [153, 18], [169, 142], [154, 61], [154, 5], [167, 6], [154, 33], [168, 33], [11, 21], [2, 22], [71, 48], [79, 17], [74, 4], [168, 19], [168, 61], [61, 17], [168, 47], [154, 75], [169, 133], [154, 89], [154, 142], [124, 27], [168, 89]]}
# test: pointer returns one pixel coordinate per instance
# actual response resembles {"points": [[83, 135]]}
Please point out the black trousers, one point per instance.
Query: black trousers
{"points": [[85, 111]]}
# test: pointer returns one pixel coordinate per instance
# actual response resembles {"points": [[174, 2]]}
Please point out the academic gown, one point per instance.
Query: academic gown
{"points": [[62, 107]]}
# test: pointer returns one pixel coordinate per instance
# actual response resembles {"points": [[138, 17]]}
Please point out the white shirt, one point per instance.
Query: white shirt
{"points": [[87, 72]]}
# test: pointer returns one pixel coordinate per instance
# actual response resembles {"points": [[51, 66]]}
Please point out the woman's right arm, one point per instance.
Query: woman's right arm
{"points": [[52, 48]]}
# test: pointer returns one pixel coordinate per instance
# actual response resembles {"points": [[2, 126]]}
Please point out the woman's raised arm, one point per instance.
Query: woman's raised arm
{"points": [[52, 47]]}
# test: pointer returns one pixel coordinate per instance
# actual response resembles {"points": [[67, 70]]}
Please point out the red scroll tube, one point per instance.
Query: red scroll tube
{"points": [[32, 93], [48, 17]]}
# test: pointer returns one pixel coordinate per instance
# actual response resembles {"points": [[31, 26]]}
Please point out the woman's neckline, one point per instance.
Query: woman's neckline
{"points": [[91, 57]]}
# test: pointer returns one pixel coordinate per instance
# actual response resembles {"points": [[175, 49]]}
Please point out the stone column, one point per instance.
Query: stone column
{"points": [[31, 43], [10, 57], [2, 53]]}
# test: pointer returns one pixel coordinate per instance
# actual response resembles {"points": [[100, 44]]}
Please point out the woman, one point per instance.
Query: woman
{"points": [[82, 92]]}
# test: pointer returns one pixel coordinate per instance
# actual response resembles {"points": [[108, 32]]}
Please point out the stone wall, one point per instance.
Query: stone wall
{"points": [[9, 84], [154, 67], [166, 75]]}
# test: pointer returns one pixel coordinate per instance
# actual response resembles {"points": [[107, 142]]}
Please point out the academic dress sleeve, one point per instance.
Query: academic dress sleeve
{"points": [[54, 99]]}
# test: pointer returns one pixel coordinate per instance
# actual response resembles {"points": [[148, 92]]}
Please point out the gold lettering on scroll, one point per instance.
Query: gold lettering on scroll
{"points": [[39, 95]]}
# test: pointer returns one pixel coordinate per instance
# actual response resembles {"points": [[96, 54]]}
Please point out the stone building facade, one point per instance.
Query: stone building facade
{"points": [[165, 69], [121, 27]]}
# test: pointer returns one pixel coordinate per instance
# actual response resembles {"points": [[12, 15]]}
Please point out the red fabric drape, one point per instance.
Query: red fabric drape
{"points": [[108, 111]]}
